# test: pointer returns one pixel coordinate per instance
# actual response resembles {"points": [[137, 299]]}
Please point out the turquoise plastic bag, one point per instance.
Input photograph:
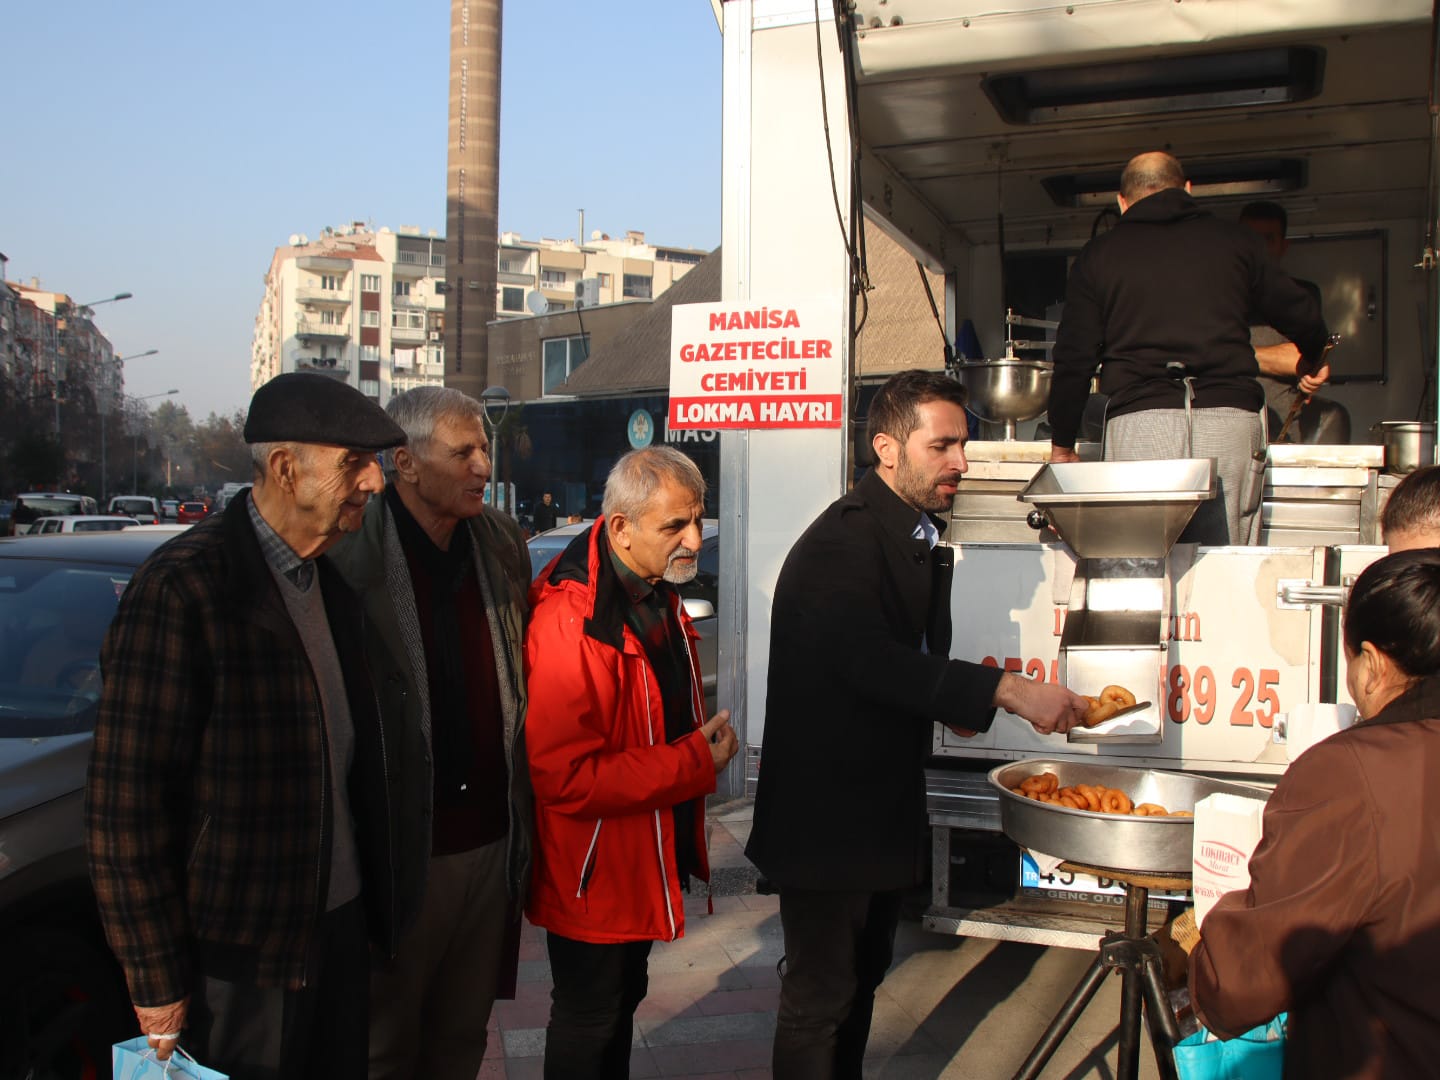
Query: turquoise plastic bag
{"points": [[1259, 1054], [134, 1060]]}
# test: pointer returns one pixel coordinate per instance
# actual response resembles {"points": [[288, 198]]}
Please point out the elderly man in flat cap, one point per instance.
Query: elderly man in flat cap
{"points": [[238, 814]]}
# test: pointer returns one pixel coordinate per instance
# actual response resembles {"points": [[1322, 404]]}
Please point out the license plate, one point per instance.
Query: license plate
{"points": [[1079, 886]]}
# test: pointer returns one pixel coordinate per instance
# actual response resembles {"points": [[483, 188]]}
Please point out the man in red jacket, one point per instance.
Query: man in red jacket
{"points": [[621, 756]]}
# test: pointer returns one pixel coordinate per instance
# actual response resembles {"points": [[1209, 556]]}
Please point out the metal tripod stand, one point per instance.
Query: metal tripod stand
{"points": [[1137, 958]]}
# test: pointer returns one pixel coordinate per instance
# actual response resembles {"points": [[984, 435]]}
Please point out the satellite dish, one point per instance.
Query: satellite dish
{"points": [[294, 239], [304, 239], [537, 303]]}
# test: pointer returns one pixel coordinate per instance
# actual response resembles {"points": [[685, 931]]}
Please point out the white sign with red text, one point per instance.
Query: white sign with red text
{"points": [[756, 365]]}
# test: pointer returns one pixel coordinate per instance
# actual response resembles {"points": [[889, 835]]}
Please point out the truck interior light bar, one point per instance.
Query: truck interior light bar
{"points": [[1267, 176], [1185, 83]]}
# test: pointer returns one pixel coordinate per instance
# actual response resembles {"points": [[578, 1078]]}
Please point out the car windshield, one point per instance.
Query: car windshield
{"points": [[112, 525], [30, 507], [132, 506], [543, 549], [53, 616]]}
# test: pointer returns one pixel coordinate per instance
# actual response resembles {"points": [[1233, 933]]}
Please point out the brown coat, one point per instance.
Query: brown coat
{"points": [[1341, 923]]}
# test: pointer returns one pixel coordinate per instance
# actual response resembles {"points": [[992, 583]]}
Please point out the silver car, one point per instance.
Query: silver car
{"points": [[63, 1002], [702, 596]]}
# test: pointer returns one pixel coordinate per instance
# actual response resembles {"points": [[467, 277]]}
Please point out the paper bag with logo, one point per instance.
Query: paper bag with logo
{"points": [[134, 1060], [1227, 828]]}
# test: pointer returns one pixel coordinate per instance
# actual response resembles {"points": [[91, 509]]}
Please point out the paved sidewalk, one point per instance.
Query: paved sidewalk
{"points": [[950, 1007]]}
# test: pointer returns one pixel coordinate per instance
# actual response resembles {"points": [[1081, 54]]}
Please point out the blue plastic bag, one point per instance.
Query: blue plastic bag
{"points": [[134, 1060], [1259, 1054]]}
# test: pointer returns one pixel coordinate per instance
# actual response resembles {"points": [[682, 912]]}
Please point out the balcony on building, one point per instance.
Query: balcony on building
{"points": [[317, 330], [417, 303], [324, 365], [424, 370], [411, 265], [322, 263], [407, 335], [308, 294]]}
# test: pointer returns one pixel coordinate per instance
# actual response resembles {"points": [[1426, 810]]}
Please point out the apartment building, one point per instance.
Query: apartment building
{"points": [[362, 305], [53, 351], [600, 271]]}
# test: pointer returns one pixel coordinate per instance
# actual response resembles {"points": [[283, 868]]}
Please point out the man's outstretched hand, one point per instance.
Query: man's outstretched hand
{"points": [[1050, 708]]}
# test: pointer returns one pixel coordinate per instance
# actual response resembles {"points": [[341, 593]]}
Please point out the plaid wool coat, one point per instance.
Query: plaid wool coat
{"points": [[208, 804]]}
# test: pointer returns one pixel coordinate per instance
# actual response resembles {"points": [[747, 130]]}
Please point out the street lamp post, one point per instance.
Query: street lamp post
{"points": [[496, 400], [135, 446], [119, 362]]}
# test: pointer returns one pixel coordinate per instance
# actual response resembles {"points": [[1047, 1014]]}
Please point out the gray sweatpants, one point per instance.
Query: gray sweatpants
{"points": [[1230, 436]]}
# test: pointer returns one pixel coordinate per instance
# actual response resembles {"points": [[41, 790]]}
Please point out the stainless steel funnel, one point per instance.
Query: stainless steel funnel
{"points": [[1121, 509]]}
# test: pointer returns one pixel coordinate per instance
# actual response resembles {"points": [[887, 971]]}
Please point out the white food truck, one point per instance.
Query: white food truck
{"points": [[988, 141]]}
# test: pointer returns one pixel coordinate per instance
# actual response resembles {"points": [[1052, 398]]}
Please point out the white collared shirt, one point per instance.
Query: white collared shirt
{"points": [[925, 530]]}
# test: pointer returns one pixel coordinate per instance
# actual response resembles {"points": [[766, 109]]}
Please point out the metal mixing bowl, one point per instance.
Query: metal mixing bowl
{"points": [[1111, 841], [1007, 390]]}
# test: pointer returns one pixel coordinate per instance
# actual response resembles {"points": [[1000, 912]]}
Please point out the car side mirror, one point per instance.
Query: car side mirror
{"points": [[699, 609]]}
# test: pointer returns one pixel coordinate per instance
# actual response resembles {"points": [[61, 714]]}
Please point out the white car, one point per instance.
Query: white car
{"points": [[143, 508], [81, 523]]}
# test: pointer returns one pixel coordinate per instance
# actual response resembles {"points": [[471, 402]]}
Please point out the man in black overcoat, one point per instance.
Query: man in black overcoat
{"points": [[859, 675]]}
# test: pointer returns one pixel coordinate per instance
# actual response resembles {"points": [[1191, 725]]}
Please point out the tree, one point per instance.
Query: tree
{"points": [[220, 453], [38, 460]]}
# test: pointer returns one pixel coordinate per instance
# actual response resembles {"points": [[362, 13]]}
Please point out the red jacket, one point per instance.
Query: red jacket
{"points": [[605, 779]]}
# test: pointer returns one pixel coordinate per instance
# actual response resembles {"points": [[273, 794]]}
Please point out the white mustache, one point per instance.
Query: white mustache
{"points": [[682, 553]]}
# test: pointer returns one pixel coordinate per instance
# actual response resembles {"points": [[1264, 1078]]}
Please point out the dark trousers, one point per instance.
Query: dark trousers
{"points": [[268, 1033], [838, 946], [592, 1007]]}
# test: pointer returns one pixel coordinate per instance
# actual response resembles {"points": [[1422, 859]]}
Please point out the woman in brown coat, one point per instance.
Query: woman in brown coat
{"points": [[1341, 922]]}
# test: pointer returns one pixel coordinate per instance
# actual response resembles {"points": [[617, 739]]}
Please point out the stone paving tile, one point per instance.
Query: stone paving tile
{"points": [[534, 971], [685, 1060], [733, 1001], [492, 1069], [756, 902], [642, 1063], [522, 1014], [524, 1042], [659, 1006], [893, 1031], [697, 957], [707, 1029], [759, 976], [525, 1069]]}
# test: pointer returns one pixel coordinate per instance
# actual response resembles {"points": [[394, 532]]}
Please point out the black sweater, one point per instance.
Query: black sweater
{"points": [[1172, 283]]}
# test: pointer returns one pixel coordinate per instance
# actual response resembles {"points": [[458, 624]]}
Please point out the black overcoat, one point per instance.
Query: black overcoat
{"points": [[857, 681]]}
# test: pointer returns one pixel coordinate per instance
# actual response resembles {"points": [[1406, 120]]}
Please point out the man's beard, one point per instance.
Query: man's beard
{"points": [[918, 490], [682, 574]]}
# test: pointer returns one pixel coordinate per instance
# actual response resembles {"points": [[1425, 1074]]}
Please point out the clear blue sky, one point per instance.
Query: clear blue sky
{"points": [[166, 148]]}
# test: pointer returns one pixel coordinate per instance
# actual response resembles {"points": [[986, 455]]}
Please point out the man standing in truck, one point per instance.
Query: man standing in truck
{"points": [[859, 676], [1164, 301], [1318, 420]]}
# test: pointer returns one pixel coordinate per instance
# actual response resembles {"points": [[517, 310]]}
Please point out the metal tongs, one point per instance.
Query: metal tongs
{"points": [[1301, 402]]}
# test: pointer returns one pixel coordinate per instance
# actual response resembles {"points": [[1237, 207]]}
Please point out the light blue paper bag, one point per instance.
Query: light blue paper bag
{"points": [[134, 1060], [1259, 1054]]}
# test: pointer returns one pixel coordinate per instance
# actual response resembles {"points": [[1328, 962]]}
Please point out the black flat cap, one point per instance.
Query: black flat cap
{"points": [[305, 408]]}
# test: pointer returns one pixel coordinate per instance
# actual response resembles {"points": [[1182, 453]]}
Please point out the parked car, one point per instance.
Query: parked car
{"points": [[34, 505], [80, 523], [169, 509], [65, 1001], [191, 512], [142, 508], [702, 595]]}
